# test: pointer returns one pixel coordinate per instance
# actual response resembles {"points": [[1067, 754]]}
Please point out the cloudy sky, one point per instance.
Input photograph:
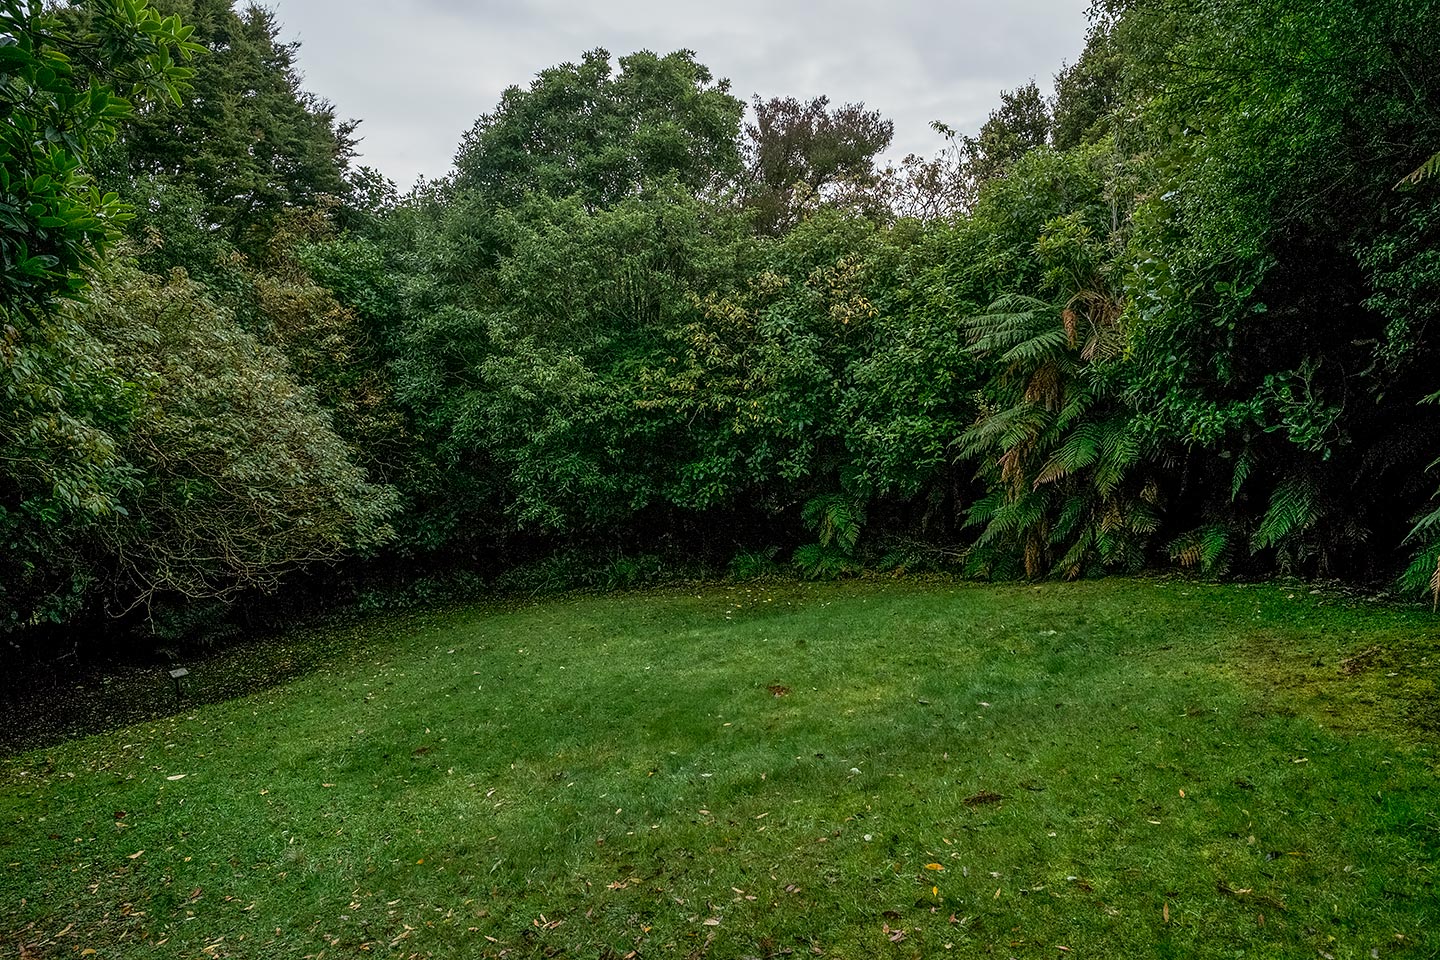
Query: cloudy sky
{"points": [[418, 72]]}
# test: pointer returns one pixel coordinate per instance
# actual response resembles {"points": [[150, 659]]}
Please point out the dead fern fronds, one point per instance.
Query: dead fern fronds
{"points": [[1435, 587]]}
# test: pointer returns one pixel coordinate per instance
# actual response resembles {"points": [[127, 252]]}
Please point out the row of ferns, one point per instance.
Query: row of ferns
{"points": [[1180, 313]]}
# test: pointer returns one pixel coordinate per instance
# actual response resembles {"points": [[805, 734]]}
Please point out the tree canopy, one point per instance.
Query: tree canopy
{"points": [[588, 130], [1180, 313]]}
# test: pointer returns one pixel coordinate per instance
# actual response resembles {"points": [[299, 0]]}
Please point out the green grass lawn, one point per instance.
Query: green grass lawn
{"points": [[897, 769]]}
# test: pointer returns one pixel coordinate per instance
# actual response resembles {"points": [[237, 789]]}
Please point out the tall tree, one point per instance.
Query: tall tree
{"points": [[1020, 124], [806, 145], [584, 129], [247, 143], [1087, 91]]}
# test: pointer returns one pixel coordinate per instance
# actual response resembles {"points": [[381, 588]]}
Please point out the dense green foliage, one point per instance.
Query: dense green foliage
{"points": [[155, 444], [1179, 313]]}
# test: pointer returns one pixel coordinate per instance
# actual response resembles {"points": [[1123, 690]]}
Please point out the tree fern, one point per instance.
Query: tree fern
{"points": [[1052, 447]]}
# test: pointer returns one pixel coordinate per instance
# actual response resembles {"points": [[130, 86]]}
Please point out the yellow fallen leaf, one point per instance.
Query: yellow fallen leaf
{"points": [[933, 866], [88, 951]]}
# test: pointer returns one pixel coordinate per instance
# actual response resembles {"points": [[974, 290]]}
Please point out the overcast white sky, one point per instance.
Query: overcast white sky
{"points": [[419, 72]]}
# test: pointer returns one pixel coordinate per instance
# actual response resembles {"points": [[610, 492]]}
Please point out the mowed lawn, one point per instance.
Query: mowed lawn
{"points": [[875, 769]]}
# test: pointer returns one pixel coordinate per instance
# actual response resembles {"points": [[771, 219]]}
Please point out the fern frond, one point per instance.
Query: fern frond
{"points": [[819, 562], [1072, 513], [1002, 430], [984, 509], [1072, 564], [1080, 449], [1010, 521], [1243, 463], [1430, 168], [1426, 524], [1039, 347], [1119, 451], [1294, 507], [1023, 424], [1078, 402], [1423, 574], [1011, 320], [1142, 518], [836, 519], [1205, 548]]}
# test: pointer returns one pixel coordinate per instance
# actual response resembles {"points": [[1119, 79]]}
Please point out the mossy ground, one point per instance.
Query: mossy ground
{"points": [[1119, 768]]}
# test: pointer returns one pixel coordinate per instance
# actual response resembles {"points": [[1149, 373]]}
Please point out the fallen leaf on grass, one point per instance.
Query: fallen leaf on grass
{"points": [[135, 854], [178, 776], [933, 866]]}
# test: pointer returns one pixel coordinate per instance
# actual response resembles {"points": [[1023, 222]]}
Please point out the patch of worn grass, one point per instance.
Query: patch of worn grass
{"points": [[1120, 768]]}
